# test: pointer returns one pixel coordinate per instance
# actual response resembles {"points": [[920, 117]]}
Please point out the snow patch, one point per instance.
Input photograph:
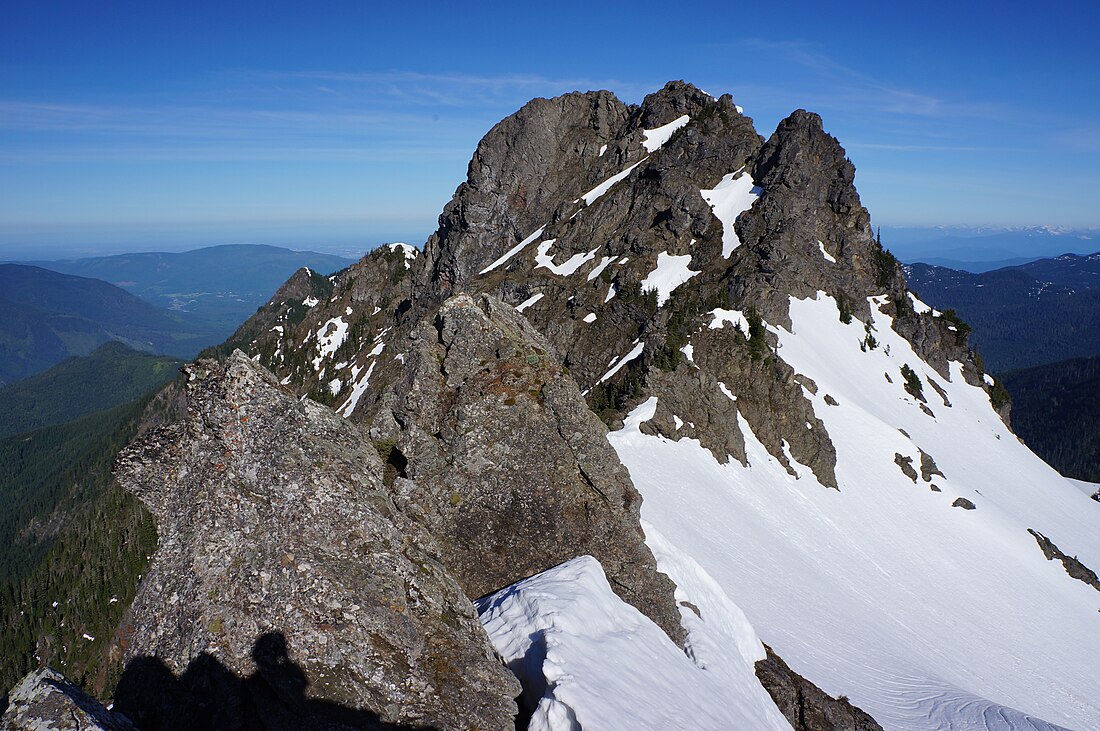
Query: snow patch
{"points": [[657, 137], [616, 365], [598, 269], [513, 251], [733, 317], [828, 257], [733, 195], [670, 273], [529, 301], [590, 317], [311, 301], [330, 337], [591, 196], [357, 391], [410, 252], [545, 260]]}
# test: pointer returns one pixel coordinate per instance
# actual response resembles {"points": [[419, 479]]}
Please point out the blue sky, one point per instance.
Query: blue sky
{"points": [[337, 125]]}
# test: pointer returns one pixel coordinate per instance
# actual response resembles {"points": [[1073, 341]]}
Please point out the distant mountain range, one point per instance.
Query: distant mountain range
{"points": [[166, 303], [1044, 311], [50, 316], [977, 249], [224, 284]]}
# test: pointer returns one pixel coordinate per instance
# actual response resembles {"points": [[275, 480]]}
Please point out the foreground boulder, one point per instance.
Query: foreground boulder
{"points": [[287, 591], [46, 700]]}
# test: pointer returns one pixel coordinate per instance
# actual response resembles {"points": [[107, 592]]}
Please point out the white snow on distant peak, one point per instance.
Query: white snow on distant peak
{"points": [[335, 385], [529, 301], [988, 379], [590, 197], [377, 349], [616, 365], [740, 109], [311, 301], [330, 337], [882, 590], [603, 149], [587, 659], [598, 269], [671, 271], [544, 259], [513, 251], [734, 194], [689, 353], [590, 317], [733, 317], [677, 421], [657, 137], [410, 252], [828, 257], [610, 293]]}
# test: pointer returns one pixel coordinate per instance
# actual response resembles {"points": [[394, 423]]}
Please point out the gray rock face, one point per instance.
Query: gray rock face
{"points": [[805, 706], [509, 468], [286, 585], [45, 701], [1072, 565]]}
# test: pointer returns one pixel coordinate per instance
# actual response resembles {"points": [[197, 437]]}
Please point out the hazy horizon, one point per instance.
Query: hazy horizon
{"points": [[137, 126]]}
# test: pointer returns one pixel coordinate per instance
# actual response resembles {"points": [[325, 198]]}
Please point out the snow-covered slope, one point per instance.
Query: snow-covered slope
{"points": [[926, 615], [592, 661]]}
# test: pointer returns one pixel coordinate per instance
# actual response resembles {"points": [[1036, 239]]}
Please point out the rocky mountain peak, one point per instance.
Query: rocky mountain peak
{"points": [[284, 566], [673, 100]]}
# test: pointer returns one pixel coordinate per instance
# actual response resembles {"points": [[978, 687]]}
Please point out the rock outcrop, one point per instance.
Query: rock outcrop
{"points": [[509, 469], [45, 700], [805, 706], [286, 586]]}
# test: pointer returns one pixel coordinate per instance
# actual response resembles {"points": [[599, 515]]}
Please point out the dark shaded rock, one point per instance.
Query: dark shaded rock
{"points": [[928, 467], [906, 465], [45, 699], [509, 469], [963, 503], [831, 401], [1073, 567], [279, 547], [805, 706]]}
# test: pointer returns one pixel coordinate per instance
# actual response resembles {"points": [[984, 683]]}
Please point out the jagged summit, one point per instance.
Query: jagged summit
{"points": [[788, 435]]}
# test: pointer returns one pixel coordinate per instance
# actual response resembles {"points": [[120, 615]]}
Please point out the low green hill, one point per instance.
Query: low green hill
{"points": [[113, 374]]}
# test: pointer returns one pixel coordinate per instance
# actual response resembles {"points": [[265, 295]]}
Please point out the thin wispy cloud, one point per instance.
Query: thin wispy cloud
{"points": [[831, 84]]}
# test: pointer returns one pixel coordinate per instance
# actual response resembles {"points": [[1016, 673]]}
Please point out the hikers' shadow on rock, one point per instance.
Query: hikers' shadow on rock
{"points": [[208, 695]]}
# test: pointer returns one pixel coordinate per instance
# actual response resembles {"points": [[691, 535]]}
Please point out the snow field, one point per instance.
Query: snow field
{"points": [[590, 660], [925, 615]]}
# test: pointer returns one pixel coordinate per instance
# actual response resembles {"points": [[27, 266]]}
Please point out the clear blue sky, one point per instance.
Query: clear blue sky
{"points": [[148, 125]]}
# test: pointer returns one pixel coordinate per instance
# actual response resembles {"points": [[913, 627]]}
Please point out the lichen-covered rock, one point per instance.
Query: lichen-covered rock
{"points": [[45, 700], [286, 586], [510, 470]]}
